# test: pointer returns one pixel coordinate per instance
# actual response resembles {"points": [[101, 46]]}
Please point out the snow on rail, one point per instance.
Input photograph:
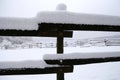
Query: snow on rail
{"points": [[18, 23], [61, 16], [81, 55], [25, 64], [66, 17]]}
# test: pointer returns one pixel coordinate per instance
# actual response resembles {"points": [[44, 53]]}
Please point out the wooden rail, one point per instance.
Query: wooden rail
{"points": [[60, 31], [28, 71], [34, 33], [82, 61], [80, 27]]}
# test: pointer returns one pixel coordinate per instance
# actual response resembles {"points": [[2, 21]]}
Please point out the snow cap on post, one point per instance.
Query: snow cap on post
{"points": [[61, 7]]}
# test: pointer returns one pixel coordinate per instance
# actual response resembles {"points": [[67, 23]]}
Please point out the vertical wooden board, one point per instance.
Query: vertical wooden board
{"points": [[60, 50], [60, 40]]}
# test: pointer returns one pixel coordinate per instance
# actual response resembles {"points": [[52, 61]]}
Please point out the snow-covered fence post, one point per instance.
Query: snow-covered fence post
{"points": [[60, 41]]}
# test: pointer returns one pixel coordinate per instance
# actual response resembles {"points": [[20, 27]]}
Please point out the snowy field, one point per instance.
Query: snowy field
{"points": [[101, 71]]}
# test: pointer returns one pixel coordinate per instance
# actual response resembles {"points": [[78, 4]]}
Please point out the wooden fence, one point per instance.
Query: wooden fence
{"points": [[59, 31]]}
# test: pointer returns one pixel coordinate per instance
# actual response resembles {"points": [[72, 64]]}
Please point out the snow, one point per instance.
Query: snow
{"points": [[24, 54], [22, 59], [61, 7], [81, 55], [102, 71], [59, 16], [38, 53], [18, 23], [105, 71], [66, 17], [25, 64]]}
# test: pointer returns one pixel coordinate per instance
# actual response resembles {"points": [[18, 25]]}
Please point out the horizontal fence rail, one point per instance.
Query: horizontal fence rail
{"points": [[81, 27], [28, 71], [33, 33], [82, 61]]}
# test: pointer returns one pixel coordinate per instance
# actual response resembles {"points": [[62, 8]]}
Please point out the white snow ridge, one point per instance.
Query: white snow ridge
{"points": [[18, 23], [25, 64]]}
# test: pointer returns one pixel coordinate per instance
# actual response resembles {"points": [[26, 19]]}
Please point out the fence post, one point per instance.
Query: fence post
{"points": [[60, 50], [60, 38]]}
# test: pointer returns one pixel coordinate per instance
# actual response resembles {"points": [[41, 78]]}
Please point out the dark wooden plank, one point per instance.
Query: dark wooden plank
{"points": [[18, 33], [82, 61], [60, 41], [33, 33], [28, 71], [60, 76], [67, 34], [81, 27]]}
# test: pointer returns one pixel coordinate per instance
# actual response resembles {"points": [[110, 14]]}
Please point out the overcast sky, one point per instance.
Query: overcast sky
{"points": [[29, 8]]}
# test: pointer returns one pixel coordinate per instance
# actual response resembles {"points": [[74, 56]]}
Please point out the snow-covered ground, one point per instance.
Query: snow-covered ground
{"points": [[101, 71]]}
